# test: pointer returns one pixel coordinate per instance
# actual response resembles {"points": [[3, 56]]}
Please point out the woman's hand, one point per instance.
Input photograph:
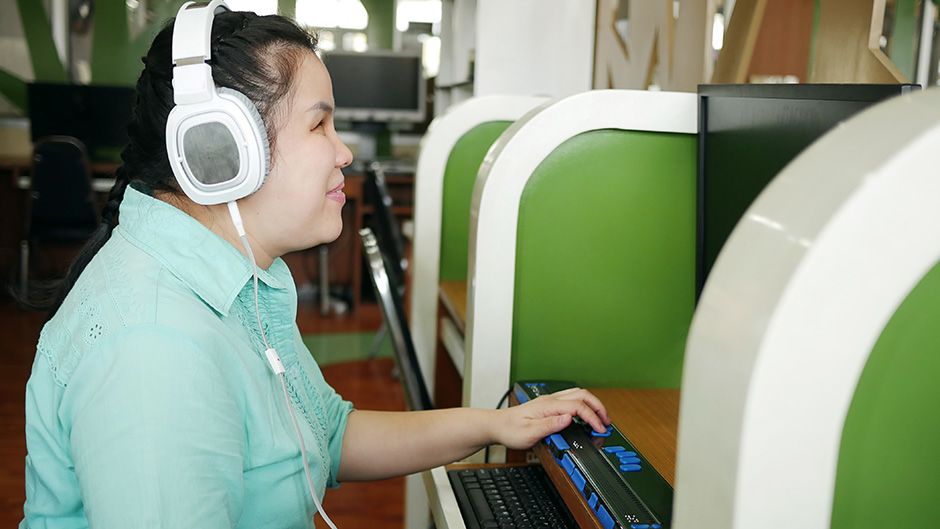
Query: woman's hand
{"points": [[520, 427]]}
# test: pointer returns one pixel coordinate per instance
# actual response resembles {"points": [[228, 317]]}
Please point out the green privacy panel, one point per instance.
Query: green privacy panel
{"points": [[888, 473], [904, 33], [14, 89], [460, 174], [605, 260], [115, 55], [42, 50]]}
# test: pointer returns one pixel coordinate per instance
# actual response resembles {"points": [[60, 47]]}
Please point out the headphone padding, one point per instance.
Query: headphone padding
{"points": [[252, 112]]}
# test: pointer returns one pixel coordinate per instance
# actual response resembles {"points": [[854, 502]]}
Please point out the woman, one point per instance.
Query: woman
{"points": [[150, 403]]}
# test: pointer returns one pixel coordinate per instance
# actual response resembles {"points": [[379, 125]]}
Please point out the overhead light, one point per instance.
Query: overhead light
{"points": [[424, 11], [343, 14], [260, 7]]}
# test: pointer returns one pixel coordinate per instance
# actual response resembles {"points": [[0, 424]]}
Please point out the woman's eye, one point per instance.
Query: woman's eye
{"points": [[317, 126]]}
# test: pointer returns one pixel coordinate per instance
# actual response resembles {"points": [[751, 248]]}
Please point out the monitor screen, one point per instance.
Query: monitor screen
{"points": [[96, 115], [748, 134], [377, 86]]}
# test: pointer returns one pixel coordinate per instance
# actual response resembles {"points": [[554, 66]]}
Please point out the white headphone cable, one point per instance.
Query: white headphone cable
{"points": [[275, 361]]}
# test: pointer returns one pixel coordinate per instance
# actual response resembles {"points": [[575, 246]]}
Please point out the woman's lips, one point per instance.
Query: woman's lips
{"points": [[337, 193]]}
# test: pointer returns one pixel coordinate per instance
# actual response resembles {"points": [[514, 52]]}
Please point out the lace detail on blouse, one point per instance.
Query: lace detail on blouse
{"points": [[59, 344], [301, 390]]}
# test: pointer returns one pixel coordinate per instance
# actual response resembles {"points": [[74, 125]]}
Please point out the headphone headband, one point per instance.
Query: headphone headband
{"points": [[192, 36], [216, 140]]}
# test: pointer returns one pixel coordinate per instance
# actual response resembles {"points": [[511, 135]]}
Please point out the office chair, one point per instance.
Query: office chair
{"points": [[388, 292], [387, 231], [61, 202]]}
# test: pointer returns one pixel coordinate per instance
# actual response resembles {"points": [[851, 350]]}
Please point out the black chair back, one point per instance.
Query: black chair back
{"points": [[388, 292], [62, 206]]}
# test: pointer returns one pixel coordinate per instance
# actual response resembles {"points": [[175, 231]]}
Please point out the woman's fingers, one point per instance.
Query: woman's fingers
{"points": [[582, 410], [588, 398]]}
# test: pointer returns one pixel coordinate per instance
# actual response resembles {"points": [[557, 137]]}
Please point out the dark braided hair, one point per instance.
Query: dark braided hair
{"points": [[256, 55]]}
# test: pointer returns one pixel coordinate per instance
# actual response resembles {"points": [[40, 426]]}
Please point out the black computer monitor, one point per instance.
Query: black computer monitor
{"points": [[377, 87], [97, 115], [748, 133], [389, 293]]}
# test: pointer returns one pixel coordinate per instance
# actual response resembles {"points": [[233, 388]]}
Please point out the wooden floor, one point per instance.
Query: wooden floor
{"points": [[368, 384]]}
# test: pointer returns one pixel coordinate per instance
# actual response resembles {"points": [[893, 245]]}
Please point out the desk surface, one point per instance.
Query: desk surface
{"points": [[453, 296], [648, 417]]}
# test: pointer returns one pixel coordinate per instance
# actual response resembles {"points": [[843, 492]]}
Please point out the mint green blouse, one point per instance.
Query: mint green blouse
{"points": [[150, 402]]}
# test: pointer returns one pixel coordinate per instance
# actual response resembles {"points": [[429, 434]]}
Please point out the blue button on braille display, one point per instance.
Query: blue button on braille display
{"points": [[604, 518], [629, 460], [578, 479], [626, 454], [567, 464], [559, 441], [592, 501], [639, 526], [603, 434], [613, 449], [521, 396], [655, 526], [629, 468]]}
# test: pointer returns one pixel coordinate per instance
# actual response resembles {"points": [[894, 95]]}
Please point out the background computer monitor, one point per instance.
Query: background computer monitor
{"points": [[377, 87], [748, 133], [97, 115]]}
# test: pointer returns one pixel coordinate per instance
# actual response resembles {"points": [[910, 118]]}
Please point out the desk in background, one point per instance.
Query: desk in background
{"points": [[449, 350]]}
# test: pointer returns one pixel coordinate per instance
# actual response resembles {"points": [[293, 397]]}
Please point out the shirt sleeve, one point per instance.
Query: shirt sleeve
{"points": [[338, 411], [157, 435]]}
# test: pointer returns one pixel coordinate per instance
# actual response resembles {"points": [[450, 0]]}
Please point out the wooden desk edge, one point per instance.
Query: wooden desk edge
{"points": [[459, 317]]}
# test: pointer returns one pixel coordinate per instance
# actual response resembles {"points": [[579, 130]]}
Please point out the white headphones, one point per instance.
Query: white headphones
{"points": [[215, 138]]}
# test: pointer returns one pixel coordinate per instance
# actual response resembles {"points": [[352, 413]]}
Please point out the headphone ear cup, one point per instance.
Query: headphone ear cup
{"points": [[251, 111]]}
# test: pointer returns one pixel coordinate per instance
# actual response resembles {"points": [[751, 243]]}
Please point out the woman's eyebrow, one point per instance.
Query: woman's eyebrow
{"points": [[321, 106]]}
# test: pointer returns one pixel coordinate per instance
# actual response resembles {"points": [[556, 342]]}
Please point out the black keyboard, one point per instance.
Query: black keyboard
{"points": [[509, 497]]}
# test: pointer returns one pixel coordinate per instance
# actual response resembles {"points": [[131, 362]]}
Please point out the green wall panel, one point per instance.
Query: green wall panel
{"points": [[888, 473], [460, 174], [42, 51], [381, 28], [116, 57], [14, 89], [605, 261]]}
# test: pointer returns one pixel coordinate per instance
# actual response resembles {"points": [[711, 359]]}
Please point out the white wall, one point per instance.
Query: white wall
{"points": [[534, 47]]}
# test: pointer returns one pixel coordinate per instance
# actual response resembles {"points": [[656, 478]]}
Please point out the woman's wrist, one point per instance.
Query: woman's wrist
{"points": [[493, 424]]}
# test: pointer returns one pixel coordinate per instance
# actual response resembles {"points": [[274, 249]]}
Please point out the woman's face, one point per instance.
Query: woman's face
{"points": [[300, 203]]}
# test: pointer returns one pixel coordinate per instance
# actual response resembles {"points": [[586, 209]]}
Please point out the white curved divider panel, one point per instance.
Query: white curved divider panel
{"points": [[797, 299], [436, 147], [494, 213]]}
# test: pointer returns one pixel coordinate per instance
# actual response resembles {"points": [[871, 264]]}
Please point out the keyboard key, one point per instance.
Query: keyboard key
{"points": [[510, 498], [578, 480], [605, 433], [559, 441], [592, 501], [567, 463], [609, 450], [607, 522]]}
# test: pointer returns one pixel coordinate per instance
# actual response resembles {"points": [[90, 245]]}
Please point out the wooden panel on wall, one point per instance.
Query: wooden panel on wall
{"points": [[672, 52], [783, 43], [740, 39], [847, 44]]}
